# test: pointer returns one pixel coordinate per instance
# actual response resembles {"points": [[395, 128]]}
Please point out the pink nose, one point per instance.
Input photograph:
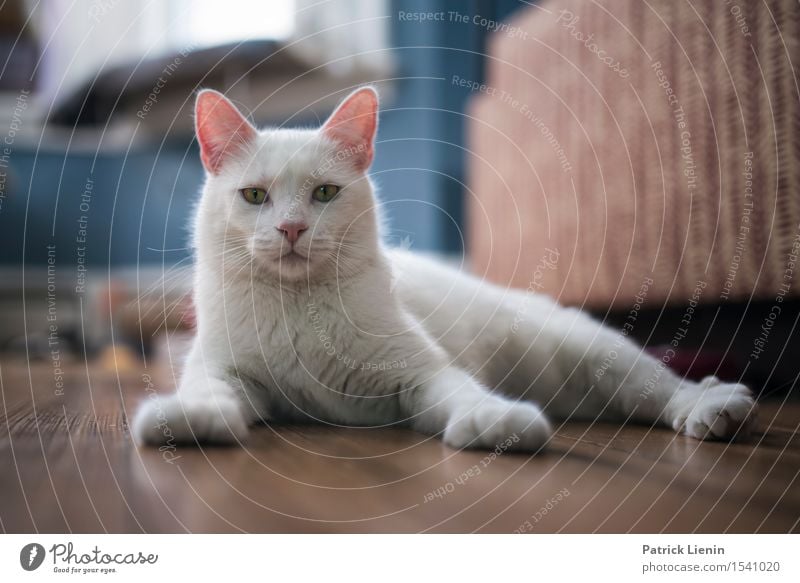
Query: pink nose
{"points": [[292, 230]]}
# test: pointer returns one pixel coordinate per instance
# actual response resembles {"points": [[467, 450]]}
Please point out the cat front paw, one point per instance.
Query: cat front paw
{"points": [[173, 419], [499, 423], [714, 410]]}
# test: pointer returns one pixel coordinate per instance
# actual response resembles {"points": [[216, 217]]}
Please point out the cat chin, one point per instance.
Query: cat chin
{"points": [[292, 269], [299, 268]]}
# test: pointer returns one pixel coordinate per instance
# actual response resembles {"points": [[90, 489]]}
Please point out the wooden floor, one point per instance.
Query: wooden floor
{"points": [[67, 464]]}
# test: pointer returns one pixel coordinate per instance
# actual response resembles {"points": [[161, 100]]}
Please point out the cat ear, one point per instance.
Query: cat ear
{"points": [[221, 129], [353, 126]]}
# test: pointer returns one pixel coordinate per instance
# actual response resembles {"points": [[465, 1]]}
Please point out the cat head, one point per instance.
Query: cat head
{"points": [[295, 205]]}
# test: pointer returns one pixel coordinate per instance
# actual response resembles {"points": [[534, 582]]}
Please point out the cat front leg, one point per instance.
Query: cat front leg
{"points": [[205, 409], [467, 415]]}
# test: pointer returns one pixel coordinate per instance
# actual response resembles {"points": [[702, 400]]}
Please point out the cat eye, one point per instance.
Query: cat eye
{"points": [[254, 195], [325, 192]]}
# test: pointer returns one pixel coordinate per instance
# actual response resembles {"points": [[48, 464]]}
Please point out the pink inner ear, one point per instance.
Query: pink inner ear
{"points": [[221, 129], [353, 125]]}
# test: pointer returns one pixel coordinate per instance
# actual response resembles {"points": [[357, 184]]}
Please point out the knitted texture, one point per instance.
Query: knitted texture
{"points": [[652, 147]]}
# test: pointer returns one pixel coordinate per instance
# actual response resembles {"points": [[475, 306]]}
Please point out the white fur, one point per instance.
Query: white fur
{"points": [[360, 335]]}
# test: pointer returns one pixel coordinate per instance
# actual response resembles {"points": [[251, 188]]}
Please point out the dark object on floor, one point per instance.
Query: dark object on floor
{"points": [[696, 364]]}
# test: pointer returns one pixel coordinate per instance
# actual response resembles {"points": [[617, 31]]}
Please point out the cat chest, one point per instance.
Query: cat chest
{"points": [[324, 375], [311, 344]]}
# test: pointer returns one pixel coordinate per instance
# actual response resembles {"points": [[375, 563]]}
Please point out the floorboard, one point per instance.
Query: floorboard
{"points": [[68, 465]]}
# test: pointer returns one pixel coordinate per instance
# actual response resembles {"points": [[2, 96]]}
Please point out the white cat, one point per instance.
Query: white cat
{"points": [[304, 315]]}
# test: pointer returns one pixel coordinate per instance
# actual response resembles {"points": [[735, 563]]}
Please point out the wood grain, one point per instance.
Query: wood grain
{"points": [[68, 465]]}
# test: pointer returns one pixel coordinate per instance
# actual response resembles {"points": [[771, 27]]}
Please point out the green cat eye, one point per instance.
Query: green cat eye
{"points": [[325, 192], [254, 195]]}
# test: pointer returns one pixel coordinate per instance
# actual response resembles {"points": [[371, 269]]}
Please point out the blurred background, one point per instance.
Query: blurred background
{"points": [[639, 160]]}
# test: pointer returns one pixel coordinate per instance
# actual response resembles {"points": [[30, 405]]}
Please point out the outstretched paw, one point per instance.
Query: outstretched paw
{"points": [[171, 419], [495, 422], [714, 410]]}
